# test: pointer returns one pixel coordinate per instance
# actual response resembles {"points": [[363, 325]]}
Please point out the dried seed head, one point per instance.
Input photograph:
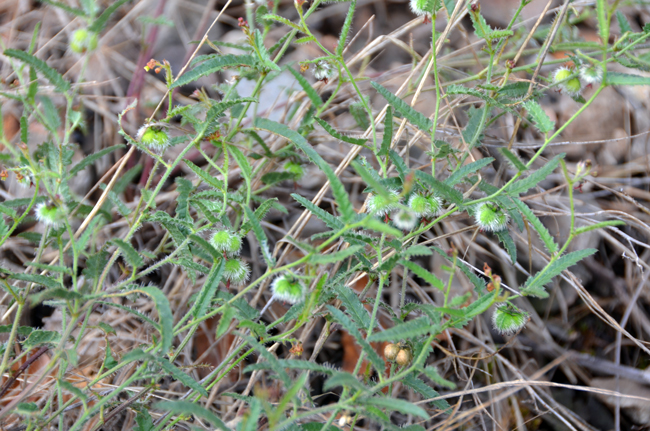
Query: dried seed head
{"points": [[404, 357], [391, 351]]}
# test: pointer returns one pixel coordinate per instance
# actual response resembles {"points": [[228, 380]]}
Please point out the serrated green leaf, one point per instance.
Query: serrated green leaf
{"points": [[331, 221], [379, 226], [88, 160], [214, 65], [599, 225], [270, 358], [433, 374], [377, 187], [425, 390], [449, 193], [603, 23], [522, 186], [98, 25], [58, 293], [129, 253], [340, 47], [23, 331], [403, 331], [67, 386], [210, 287], [623, 24], [536, 283], [341, 379], [338, 190], [51, 74], [283, 20], [339, 256], [418, 250], [261, 237], [244, 166], [353, 330], [353, 305], [387, 138], [540, 119], [341, 137], [465, 171], [617, 78], [164, 314], [73, 10], [508, 243], [43, 280], [414, 117], [396, 404], [539, 227], [424, 274], [38, 337], [513, 159], [306, 86], [210, 180]]}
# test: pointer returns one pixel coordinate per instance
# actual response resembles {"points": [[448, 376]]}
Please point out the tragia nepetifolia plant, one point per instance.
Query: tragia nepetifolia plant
{"points": [[238, 163]]}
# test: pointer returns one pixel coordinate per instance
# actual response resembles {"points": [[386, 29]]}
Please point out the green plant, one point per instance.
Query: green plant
{"points": [[204, 231]]}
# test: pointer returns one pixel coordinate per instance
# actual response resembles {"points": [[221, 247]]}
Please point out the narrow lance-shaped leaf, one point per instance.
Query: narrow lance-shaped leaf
{"points": [[535, 284], [513, 159], [306, 86], [214, 65], [335, 257], [540, 119], [88, 160], [424, 274], [388, 133], [539, 227], [331, 221], [463, 172], [98, 25], [338, 190], [130, 254], [208, 290], [522, 186], [346, 28], [413, 116], [340, 136], [261, 237], [51, 74], [402, 331], [165, 315]]}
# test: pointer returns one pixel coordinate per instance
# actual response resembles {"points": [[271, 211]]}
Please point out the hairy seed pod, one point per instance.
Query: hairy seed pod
{"points": [[391, 351], [404, 357]]}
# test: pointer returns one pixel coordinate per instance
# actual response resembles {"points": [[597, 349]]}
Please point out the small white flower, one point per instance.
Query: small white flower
{"points": [[490, 217], [288, 288], [404, 219], [380, 206], [323, 70]]}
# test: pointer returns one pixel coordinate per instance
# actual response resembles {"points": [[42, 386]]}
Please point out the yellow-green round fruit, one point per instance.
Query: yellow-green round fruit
{"points": [[83, 41]]}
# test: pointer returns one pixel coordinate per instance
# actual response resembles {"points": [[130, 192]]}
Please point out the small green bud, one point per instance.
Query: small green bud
{"points": [[153, 138], [591, 74], [404, 219], [490, 217], [289, 289], [571, 86], [295, 169], [425, 206], [83, 41], [236, 271], [49, 214], [508, 319], [380, 206], [422, 7], [226, 242]]}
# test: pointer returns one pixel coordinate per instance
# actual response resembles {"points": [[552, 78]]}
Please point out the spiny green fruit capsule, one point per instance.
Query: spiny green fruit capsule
{"points": [[591, 74], [422, 7], [404, 357], [490, 217], [49, 214], [295, 169], [83, 41], [572, 86], [391, 351], [425, 206], [508, 319], [153, 138], [381, 206], [404, 219], [236, 271], [289, 289], [226, 242]]}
